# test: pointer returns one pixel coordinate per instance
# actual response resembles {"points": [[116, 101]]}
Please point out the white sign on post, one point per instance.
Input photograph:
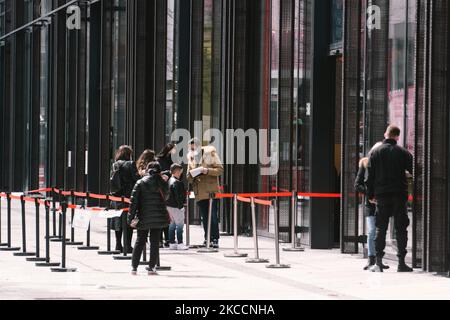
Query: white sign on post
{"points": [[108, 214], [82, 219]]}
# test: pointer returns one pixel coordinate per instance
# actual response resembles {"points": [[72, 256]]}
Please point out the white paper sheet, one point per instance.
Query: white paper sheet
{"points": [[82, 219], [196, 172]]}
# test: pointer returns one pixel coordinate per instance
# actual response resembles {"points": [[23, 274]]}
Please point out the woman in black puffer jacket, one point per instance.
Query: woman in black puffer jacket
{"points": [[149, 206]]}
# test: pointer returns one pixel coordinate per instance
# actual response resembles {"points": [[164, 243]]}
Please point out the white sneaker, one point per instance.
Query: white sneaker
{"points": [[376, 268], [182, 247], [173, 246]]}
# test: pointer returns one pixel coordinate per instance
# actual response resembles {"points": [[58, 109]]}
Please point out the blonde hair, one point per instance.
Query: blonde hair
{"points": [[364, 163]]}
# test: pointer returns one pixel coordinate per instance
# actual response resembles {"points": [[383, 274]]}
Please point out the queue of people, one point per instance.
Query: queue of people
{"points": [[157, 193]]}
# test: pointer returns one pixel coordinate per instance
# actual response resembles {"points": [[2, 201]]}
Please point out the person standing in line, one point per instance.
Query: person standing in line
{"points": [[123, 178], [148, 205], [387, 187], [206, 182], [164, 158], [176, 205], [369, 212], [147, 157]]}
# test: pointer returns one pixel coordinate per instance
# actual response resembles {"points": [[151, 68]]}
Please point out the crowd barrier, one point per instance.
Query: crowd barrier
{"points": [[57, 201]]}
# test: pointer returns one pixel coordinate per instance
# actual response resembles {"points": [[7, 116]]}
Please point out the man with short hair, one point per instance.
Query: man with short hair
{"points": [[388, 188]]}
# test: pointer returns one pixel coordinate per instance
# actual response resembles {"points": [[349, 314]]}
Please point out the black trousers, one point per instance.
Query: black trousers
{"points": [[392, 205], [142, 235]]}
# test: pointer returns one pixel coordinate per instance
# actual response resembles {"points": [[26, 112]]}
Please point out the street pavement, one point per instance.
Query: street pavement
{"points": [[314, 274]]}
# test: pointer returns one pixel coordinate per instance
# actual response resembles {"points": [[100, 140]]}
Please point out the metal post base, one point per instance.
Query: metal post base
{"points": [[294, 249], [70, 243], [108, 253], [36, 259], [88, 248], [254, 260], [278, 266], [61, 270], [206, 250], [235, 255], [58, 240], [122, 257], [3, 244], [160, 268], [53, 237], [24, 254], [48, 264], [10, 249], [196, 246], [226, 234]]}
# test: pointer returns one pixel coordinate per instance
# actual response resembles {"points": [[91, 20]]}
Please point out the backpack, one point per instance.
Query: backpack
{"points": [[115, 182]]}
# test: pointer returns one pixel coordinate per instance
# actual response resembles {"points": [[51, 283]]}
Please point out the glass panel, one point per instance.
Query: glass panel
{"points": [[304, 112], [207, 64], [170, 71], [44, 99], [337, 24], [397, 63], [119, 29]]}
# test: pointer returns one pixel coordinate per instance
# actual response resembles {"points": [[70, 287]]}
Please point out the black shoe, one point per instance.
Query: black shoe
{"points": [[370, 263], [404, 268], [385, 267], [119, 247], [215, 244], [378, 266], [130, 250]]}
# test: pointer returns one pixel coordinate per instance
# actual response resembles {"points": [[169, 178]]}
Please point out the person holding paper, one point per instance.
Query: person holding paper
{"points": [[204, 170]]}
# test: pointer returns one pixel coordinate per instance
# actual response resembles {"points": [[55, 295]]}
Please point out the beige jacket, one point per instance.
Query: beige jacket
{"points": [[204, 185]]}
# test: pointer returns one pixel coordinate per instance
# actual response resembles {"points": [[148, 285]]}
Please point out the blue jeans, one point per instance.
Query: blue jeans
{"points": [[204, 211], [371, 229], [179, 230]]}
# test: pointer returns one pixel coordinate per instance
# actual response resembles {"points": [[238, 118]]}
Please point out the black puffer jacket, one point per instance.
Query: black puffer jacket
{"points": [[177, 194], [387, 170], [128, 177], [147, 203]]}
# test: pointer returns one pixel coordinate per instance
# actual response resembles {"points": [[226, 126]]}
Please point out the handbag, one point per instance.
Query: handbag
{"points": [[134, 223]]}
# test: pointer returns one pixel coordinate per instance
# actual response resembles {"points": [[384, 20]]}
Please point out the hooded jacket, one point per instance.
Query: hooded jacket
{"points": [[148, 203], [203, 185]]}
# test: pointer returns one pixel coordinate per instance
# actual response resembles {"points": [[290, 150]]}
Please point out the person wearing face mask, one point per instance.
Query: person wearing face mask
{"points": [[207, 161]]}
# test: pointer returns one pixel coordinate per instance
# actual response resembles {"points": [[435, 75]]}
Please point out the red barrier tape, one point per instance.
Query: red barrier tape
{"points": [[263, 202], [319, 195], [97, 196], [242, 199]]}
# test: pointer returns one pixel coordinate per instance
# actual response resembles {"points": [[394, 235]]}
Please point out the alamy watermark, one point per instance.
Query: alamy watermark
{"points": [[262, 146], [73, 21], [373, 17]]}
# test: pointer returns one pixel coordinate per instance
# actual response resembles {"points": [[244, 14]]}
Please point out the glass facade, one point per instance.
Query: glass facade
{"points": [[138, 70]]}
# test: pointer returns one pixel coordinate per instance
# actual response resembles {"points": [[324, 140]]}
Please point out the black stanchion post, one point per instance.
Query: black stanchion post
{"points": [[24, 252], [294, 210], [208, 248], [8, 223], [38, 246], [63, 243], [278, 264], [256, 259], [108, 235], [125, 255], [47, 262], [54, 236], [236, 253], [58, 237], [88, 236], [1, 244], [72, 241]]}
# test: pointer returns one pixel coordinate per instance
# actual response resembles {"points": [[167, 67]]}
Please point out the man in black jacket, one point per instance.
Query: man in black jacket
{"points": [[388, 188]]}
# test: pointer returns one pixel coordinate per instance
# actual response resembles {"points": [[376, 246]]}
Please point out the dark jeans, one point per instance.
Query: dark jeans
{"points": [[142, 235], [204, 211], [392, 205], [128, 235], [165, 238]]}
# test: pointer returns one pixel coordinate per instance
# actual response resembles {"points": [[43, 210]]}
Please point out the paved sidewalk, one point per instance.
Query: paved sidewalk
{"points": [[314, 274]]}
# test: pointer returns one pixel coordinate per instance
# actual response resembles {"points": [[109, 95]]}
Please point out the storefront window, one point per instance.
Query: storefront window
{"points": [[171, 89], [337, 21], [119, 29], [44, 99], [207, 63]]}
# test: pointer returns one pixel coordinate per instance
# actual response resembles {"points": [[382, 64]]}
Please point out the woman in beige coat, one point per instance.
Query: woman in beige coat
{"points": [[209, 168]]}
